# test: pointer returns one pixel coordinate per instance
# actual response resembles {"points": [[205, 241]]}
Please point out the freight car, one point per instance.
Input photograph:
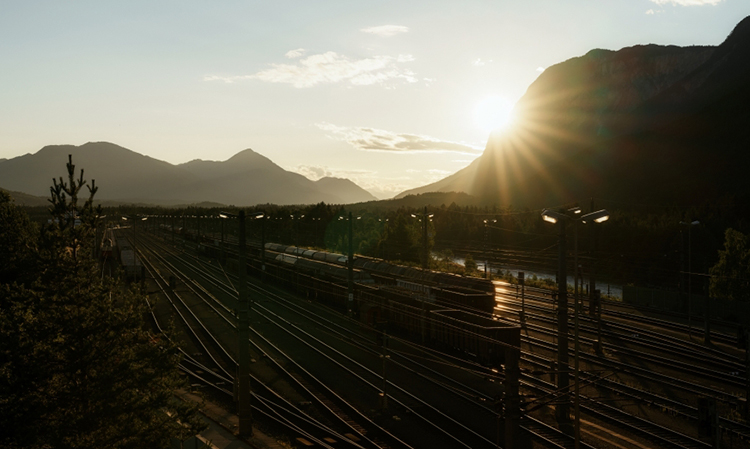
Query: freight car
{"points": [[450, 289], [322, 256], [321, 269], [129, 260], [105, 250], [474, 336], [482, 337]]}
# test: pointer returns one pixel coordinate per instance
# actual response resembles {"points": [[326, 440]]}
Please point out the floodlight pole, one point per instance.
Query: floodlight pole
{"points": [[350, 269], [562, 410], [577, 411], [561, 218], [690, 282], [426, 246], [245, 409], [223, 258], [592, 269], [486, 257], [135, 220], [263, 246], [690, 225]]}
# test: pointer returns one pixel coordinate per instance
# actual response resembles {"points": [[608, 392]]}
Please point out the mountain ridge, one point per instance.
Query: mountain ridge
{"points": [[663, 124], [245, 179]]}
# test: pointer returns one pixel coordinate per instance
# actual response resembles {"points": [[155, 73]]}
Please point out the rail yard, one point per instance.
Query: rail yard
{"points": [[411, 358]]}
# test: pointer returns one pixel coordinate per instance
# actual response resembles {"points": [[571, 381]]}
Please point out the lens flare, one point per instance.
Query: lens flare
{"points": [[493, 113]]}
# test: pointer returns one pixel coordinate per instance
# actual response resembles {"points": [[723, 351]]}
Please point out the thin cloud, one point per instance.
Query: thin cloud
{"points": [[369, 180], [480, 62], [293, 54], [312, 172], [386, 30], [687, 2], [227, 79], [316, 172], [540, 69], [370, 139], [329, 68]]}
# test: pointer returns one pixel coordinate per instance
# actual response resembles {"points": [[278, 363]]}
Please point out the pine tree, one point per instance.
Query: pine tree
{"points": [[78, 366], [17, 244], [730, 277], [470, 264]]}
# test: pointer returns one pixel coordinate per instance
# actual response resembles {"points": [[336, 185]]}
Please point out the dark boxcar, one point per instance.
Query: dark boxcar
{"points": [[484, 338]]}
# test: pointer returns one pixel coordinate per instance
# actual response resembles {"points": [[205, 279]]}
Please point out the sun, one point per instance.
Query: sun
{"points": [[493, 113]]}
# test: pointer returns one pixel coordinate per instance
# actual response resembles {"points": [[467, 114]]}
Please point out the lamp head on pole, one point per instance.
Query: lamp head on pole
{"points": [[599, 216], [552, 216]]}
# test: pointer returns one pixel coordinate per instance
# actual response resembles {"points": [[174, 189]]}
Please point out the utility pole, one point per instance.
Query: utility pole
{"points": [[263, 246], [690, 284], [223, 258], [385, 356], [522, 281], [707, 338], [690, 225], [576, 406], [747, 375], [426, 246], [135, 254], [245, 409], [350, 268], [512, 399], [486, 257], [592, 278]]}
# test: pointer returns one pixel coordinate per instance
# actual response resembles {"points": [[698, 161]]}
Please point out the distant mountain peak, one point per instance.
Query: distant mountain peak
{"points": [[346, 189], [741, 32], [247, 153]]}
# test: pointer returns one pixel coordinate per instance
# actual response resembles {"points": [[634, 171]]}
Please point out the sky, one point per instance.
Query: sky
{"points": [[391, 94]]}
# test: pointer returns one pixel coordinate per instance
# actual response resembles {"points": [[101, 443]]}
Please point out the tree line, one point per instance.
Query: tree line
{"points": [[640, 245]]}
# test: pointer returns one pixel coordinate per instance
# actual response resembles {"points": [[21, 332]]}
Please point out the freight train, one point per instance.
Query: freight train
{"points": [[441, 310], [445, 288], [414, 310]]}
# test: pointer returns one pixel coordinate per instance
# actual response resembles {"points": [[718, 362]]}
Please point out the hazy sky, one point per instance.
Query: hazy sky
{"points": [[391, 94]]}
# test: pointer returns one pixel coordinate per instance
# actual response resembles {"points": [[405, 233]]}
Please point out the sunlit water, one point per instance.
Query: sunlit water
{"points": [[611, 290]]}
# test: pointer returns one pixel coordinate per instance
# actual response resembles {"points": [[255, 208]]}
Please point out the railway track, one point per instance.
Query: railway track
{"points": [[407, 403], [537, 429], [266, 401], [707, 367]]}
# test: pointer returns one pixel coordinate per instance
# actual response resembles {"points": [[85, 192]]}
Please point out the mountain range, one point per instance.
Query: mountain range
{"points": [[644, 124], [122, 175]]}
